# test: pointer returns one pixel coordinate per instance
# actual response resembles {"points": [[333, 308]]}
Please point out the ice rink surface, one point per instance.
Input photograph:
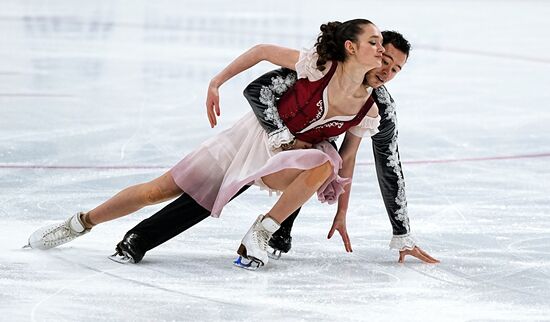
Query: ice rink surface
{"points": [[99, 95]]}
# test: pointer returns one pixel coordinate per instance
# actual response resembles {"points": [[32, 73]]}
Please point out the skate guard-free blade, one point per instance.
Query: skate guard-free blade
{"points": [[274, 253], [122, 259], [247, 261], [249, 264]]}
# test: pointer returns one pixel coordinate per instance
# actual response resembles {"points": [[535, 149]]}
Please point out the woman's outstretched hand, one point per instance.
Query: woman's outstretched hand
{"points": [[213, 104], [339, 224], [418, 253]]}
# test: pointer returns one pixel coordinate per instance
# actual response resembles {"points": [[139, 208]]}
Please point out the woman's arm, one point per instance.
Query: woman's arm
{"points": [[348, 152], [284, 57]]}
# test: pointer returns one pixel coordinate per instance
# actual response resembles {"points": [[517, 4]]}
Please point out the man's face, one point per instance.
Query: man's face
{"points": [[392, 61]]}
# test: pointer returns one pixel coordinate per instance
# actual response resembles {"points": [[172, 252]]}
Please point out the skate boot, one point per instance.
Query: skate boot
{"points": [[128, 250], [58, 234], [280, 242], [253, 249]]}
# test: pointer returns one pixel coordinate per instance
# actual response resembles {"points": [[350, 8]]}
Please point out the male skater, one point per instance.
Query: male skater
{"points": [[184, 212]]}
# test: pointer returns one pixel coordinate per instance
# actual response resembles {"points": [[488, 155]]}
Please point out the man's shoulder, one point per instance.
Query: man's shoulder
{"points": [[382, 95], [382, 91]]}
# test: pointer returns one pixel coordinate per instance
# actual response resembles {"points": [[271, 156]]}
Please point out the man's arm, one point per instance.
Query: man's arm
{"points": [[262, 95], [389, 172], [388, 166], [391, 180]]}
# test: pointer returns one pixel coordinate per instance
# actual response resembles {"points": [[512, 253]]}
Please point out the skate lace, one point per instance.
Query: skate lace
{"points": [[57, 234], [261, 237]]}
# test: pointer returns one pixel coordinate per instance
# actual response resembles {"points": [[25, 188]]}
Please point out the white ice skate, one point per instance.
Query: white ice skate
{"points": [[57, 234], [253, 249]]}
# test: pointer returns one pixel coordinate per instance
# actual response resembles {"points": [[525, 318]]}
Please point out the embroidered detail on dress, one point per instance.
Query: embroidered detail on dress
{"points": [[278, 86], [393, 158], [330, 124], [320, 111]]}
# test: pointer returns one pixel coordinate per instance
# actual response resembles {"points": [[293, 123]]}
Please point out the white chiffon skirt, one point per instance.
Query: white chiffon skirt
{"points": [[240, 156]]}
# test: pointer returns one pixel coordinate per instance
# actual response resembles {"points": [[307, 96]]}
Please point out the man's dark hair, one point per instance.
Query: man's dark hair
{"points": [[397, 40]]}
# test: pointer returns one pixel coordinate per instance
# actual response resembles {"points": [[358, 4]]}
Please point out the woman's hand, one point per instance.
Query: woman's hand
{"points": [[295, 145], [339, 224], [302, 145], [418, 253], [213, 103]]}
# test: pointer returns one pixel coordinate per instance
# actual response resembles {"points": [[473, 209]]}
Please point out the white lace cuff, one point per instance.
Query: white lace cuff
{"points": [[402, 242], [368, 126], [281, 136]]}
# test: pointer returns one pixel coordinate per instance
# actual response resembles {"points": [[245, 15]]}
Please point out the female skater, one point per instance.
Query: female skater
{"points": [[329, 98]]}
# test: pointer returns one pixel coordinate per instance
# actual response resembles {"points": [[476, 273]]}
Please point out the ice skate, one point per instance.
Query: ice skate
{"points": [[246, 263], [253, 249], [58, 234], [128, 250], [280, 242]]}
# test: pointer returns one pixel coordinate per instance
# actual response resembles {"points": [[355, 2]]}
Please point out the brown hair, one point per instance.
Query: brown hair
{"points": [[330, 43]]}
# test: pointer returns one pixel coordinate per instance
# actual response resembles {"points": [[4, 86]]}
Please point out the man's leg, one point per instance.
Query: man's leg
{"points": [[175, 218], [281, 241]]}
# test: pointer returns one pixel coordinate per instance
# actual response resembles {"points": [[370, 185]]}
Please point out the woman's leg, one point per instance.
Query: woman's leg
{"points": [[297, 186], [134, 198], [123, 203]]}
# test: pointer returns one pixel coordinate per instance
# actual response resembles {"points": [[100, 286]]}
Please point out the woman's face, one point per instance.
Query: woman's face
{"points": [[368, 48]]}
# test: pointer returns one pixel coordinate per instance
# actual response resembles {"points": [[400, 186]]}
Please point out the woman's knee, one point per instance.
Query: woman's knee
{"points": [[160, 189], [316, 176], [325, 170], [151, 194]]}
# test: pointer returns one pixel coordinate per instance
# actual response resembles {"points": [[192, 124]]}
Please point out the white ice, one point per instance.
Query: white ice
{"points": [[99, 95]]}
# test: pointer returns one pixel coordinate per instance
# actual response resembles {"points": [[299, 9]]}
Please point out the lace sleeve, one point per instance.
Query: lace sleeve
{"points": [[368, 126], [306, 67]]}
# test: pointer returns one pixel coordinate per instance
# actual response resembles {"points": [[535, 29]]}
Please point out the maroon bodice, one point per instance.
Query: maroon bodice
{"points": [[303, 104]]}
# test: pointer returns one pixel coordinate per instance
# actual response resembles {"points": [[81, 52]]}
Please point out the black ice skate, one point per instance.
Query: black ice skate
{"points": [[280, 242], [128, 250]]}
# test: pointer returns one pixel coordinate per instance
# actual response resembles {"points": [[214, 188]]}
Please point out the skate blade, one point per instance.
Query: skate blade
{"points": [[28, 246], [274, 254], [122, 259], [246, 263]]}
